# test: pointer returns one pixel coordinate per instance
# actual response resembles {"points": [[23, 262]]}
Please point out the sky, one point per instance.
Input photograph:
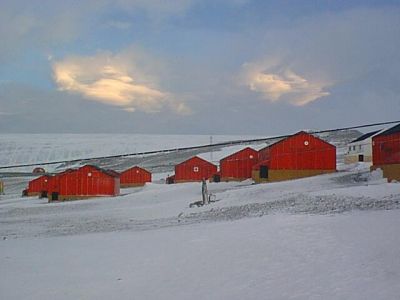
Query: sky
{"points": [[197, 66]]}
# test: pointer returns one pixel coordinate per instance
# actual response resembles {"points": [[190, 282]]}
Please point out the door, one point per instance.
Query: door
{"points": [[216, 178], [264, 172], [54, 196]]}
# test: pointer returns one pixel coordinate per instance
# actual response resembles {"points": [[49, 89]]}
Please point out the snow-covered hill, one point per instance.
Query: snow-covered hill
{"points": [[35, 148]]}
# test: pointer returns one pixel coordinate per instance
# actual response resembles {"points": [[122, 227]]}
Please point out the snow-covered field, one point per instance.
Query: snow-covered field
{"points": [[327, 237]]}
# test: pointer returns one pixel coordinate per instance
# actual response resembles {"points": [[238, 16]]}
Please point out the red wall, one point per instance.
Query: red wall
{"points": [[85, 181], [135, 175], [301, 151], [239, 164], [194, 169], [38, 184], [386, 149], [53, 184]]}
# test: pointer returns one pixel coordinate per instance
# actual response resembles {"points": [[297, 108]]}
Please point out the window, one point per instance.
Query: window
{"points": [[195, 169]]}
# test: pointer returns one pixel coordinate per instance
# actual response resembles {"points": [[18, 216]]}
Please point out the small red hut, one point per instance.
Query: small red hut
{"points": [[85, 182], [386, 153], [38, 186], [194, 169], [300, 155], [238, 165], [134, 176]]}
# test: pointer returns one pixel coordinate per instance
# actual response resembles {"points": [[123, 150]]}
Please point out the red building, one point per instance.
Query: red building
{"points": [[134, 176], [386, 153], [85, 182], [300, 155], [37, 186], [237, 166], [194, 169]]}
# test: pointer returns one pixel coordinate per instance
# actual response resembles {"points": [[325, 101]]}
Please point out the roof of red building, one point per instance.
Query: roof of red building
{"points": [[298, 133], [394, 129], [237, 152], [195, 158], [107, 172], [135, 167]]}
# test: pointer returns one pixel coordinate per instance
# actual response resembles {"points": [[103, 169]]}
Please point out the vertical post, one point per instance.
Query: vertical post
{"points": [[204, 191]]}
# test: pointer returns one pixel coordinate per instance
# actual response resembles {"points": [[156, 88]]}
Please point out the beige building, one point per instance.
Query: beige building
{"points": [[360, 149]]}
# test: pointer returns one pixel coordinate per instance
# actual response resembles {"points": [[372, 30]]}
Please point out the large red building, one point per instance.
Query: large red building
{"points": [[38, 186], [300, 155], [134, 176], [85, 182], [386, 152], [194, 169], [238, 165]]}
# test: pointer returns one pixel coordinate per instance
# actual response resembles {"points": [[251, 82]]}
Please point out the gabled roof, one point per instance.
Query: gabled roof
{"points": [[392, 130], [107, 172], [237, 152], [272, 144], [196, 158], [365, 136], [135, 167], [290, 136]]}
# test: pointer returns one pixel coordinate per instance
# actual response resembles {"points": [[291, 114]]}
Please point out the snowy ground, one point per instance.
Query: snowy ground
{"points": [[348, 256], [326, 237]]}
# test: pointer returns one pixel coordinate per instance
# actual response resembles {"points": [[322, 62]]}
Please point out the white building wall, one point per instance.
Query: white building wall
{"points": [[355, 149]]}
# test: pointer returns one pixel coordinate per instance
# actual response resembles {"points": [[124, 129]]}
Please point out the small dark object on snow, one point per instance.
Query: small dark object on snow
{"points": [[211, 198], [38, 170]]}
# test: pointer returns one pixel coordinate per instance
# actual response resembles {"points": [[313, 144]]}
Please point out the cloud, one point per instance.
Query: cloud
{"points": [[277, 83], [114, 80]]}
